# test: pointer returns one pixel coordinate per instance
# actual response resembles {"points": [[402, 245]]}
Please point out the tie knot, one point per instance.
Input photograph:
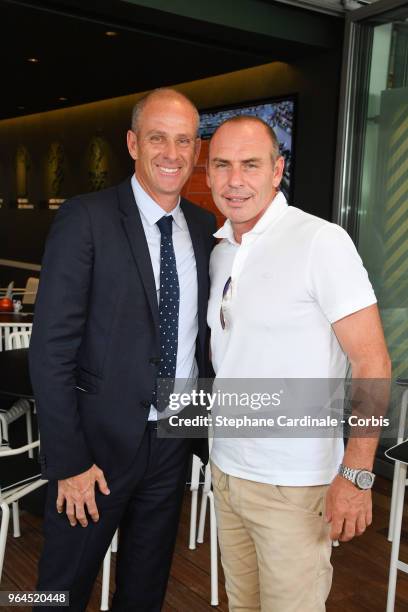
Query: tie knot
{"points": [[165, 225]]}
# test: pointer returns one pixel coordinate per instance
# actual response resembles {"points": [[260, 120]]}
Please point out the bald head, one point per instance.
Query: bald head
{"points": [[243, 121], [163, 95]]}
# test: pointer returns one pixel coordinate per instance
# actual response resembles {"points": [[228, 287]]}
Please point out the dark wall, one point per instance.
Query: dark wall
{"points": [[22, 238], [317, 134], [315, 80]]}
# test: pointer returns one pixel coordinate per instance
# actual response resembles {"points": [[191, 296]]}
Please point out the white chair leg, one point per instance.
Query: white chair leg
{"points": [[5, 518], [396, 535], [393, 504], [193, 520], [194, 485], [203, 512], [106, 580], [401, 436], [6, 337], [4, 428], [206, 489], [214, 551], [29, 432], [114, 545], [16, 520]]}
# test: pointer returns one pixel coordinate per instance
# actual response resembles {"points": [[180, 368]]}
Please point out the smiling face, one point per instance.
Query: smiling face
{"points": [[165, 147], [242, 172]]}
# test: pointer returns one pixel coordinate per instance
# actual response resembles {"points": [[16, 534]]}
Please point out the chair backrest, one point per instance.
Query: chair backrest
{"points": [[18, 339], [31, 289], [6, 330]]}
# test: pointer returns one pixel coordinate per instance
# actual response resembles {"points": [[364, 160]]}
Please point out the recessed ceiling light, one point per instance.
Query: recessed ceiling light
{"points": [[111, 33], [62, 99], [33, 60]]}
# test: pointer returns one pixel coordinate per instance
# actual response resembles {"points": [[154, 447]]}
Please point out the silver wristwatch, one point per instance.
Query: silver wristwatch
{"points": [[362, 479]]}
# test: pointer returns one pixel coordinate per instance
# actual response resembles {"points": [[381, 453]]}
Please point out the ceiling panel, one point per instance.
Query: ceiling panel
{"points": [[78, 63]]}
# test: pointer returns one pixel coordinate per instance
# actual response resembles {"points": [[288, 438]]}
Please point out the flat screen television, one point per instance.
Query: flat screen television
{"points": [[279, 113]]}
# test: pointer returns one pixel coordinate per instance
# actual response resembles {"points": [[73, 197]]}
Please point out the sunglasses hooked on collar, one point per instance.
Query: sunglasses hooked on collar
{"points": [[226, 296]]}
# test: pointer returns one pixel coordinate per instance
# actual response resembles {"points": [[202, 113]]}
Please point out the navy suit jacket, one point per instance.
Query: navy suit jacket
{"points": [[94, 348]]}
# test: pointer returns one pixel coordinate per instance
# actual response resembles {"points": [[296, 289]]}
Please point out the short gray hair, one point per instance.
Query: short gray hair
{"points": [[161, 92]]}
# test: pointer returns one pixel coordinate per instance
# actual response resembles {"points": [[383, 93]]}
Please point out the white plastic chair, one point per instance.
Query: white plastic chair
{"points": [[395, 563], [207, 495], [22, 407], [6, 329], [194, 537], [113, 548], [194, 486], [18, 339], [10, 496], [399, 484]]}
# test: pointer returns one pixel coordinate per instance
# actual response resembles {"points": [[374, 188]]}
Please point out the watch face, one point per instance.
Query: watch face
{"points": [[364, 479]]}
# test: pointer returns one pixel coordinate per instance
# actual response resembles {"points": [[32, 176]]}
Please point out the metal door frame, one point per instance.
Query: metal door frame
{"points": [[359, 29]]}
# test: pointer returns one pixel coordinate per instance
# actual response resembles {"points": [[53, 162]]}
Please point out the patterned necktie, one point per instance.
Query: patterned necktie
{"points": [[168, 312]]}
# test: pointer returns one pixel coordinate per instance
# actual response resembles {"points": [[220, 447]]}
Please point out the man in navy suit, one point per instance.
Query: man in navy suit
{"points": [[116, 262]]}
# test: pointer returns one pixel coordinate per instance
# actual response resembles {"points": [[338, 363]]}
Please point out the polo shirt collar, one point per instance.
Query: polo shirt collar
{"points": [[150, 210], [274, 210]]}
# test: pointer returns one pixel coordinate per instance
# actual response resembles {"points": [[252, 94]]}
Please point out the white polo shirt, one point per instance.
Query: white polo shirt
{"points": [[293, 275]]}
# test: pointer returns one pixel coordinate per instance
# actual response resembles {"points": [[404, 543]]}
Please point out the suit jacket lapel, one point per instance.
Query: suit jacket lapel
{"points": [[134, 231]]}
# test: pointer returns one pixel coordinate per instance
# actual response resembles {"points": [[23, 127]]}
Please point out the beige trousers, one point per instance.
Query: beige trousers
{"points": [[275, 546]]}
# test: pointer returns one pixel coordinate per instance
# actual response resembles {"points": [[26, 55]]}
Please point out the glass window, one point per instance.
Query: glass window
{"points": [[383, 213]]}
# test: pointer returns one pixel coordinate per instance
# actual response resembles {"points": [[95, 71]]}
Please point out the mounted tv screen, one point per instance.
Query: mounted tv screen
{"points": [[279, 114]]}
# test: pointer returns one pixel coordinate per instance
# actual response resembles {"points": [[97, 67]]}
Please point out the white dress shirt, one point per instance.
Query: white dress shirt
{"points": [[150, 213]]}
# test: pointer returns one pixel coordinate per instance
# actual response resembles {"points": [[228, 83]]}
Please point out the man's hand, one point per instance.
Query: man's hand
{"points": [[78, 492], [348, 509]]}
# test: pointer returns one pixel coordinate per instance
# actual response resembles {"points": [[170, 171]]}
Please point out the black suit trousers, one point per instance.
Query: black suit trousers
{"points": [[145, 503]]}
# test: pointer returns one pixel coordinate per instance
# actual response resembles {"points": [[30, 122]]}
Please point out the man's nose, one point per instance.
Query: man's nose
{"points": [[235, 178], [171, 151]]}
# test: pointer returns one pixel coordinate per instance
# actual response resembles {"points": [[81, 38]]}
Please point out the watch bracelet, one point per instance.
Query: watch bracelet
{"points": [[348, 473]]}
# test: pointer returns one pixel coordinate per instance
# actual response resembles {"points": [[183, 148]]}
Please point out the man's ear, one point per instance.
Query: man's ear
{"points": [[207, 176], [278, 171], [132, 145]]}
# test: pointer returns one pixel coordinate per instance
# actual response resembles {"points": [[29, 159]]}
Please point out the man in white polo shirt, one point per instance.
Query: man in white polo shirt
{"points": [[289, 299]]}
